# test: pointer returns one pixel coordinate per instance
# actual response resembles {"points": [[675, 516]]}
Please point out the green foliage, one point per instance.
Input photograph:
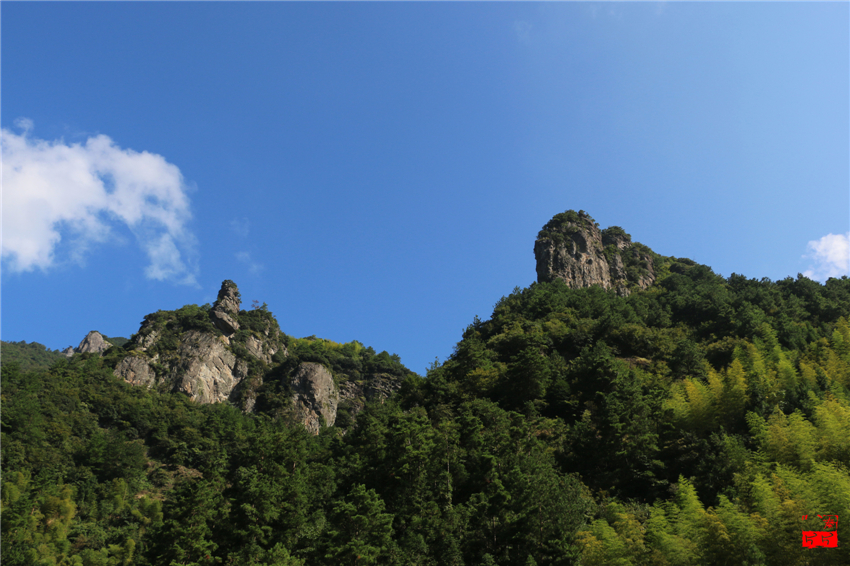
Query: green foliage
{"points": [[30, 356], [118, 342], [564, 224], [346, 361], [363, 533], [616, 232]]}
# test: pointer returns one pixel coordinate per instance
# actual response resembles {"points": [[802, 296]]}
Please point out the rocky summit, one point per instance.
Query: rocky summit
{"points": [[572, 248], [220, 353], [226, 308], [197, 352], [93, 343]]}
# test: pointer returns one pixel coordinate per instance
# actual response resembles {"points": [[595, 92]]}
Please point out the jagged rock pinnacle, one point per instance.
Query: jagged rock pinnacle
{"points": [[226, 307]]}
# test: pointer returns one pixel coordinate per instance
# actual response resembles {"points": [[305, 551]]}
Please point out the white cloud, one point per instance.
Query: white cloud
{"points": [[76, 193], [831, 255], [254, 268], [240, 227]]}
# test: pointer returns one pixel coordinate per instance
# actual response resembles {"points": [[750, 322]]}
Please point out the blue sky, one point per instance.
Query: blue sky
{"points": [[379, 171]]}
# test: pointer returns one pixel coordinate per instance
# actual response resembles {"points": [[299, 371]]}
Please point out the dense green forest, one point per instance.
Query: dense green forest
{"points": [[29, 356], [692, 423]]}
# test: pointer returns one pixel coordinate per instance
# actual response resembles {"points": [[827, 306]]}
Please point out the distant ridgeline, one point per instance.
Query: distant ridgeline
{"points": [[30, 356], [34, 356], [627, 408]]}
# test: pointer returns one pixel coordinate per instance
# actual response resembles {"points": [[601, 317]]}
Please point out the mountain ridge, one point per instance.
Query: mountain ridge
{"points": [[692, 422]]}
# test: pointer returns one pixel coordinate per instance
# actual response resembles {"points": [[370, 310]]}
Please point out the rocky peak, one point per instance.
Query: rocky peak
{"points": [[199, 352], [226, 308], [571, 247], [223, 354], [94, 343]]}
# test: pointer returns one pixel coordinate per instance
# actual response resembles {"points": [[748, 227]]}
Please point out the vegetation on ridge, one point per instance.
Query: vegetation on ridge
{"points": [[29, 356]]}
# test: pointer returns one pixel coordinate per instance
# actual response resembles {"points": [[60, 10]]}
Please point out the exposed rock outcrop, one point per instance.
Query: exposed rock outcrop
{"points": [[220, 353], [226, 308], [94, 343], [315, 396], [206, 370], [263, 350], [571, 247], [203, 353], [136, 370]]}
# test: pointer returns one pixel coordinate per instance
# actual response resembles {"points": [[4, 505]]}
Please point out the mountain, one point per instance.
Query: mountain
{"points": [[627, 408]]}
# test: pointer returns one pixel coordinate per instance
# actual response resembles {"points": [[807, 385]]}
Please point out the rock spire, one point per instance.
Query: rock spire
{"points": [[226, 308]]}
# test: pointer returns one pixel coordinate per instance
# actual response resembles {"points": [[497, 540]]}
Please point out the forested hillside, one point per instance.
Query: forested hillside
{"points": [[28, 356], [692, 422]]}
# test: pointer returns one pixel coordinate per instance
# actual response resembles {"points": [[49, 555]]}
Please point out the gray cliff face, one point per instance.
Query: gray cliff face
{"points": [[263, 350], [572, 248], [573, 253], [315, 396], [206, 370], [201, 359], [146, 340], [136, 370]]}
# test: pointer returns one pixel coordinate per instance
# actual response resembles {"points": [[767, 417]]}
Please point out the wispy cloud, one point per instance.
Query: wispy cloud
{"points": [[240, 227], [254, 268], [523, 31], [79, 192], [831, 256]]}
